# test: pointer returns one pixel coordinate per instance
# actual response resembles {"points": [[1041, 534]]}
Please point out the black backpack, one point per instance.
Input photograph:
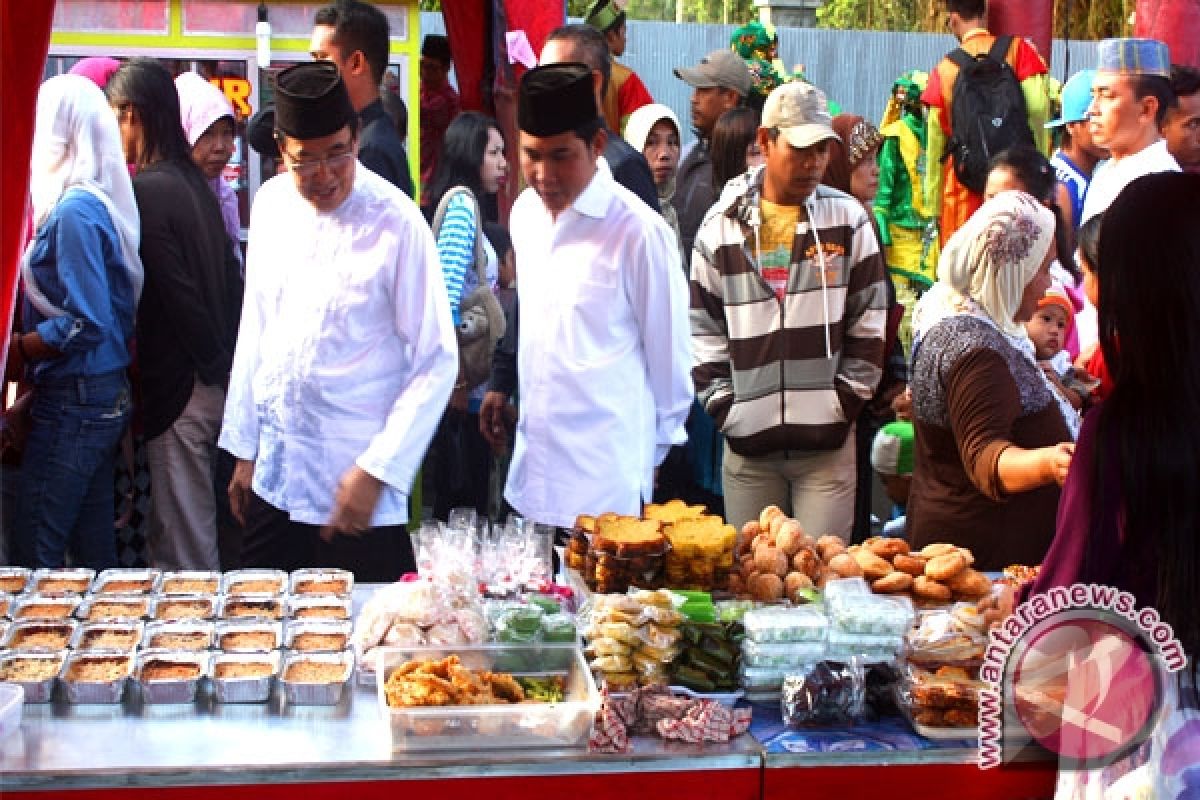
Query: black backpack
{"points": [[988, 115]]}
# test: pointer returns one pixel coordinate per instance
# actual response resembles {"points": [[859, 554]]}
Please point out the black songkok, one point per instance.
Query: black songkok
{"points": [[555, 99], [311, 101]]}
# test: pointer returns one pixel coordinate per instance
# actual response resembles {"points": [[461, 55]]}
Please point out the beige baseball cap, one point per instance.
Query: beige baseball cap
{"points": [[723, 69], [799, 111]]}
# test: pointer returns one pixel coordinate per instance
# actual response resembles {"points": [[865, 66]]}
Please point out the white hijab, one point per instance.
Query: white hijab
{"points": [[983, 272], [77, 145]]}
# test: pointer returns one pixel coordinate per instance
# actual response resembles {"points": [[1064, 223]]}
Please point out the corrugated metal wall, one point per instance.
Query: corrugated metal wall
{"points": [[855, 68]]}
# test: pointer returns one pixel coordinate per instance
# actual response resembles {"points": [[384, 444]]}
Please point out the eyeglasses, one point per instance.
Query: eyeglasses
{"points": [[309, 167]]}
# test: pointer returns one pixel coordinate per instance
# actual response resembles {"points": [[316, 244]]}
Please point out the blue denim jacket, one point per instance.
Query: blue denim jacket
{"points": [[77, 262]]}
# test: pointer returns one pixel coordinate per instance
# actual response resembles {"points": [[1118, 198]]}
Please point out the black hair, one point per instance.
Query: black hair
{"points": [[463, 147], [437, 47], [1185, 82], [359, 26], [144, 85], [1148, 423], [590, 48], [967, 9], [588, 130], [1159, 88], [732, 134], [497, 234], [1088, 240], [1037, 177]]}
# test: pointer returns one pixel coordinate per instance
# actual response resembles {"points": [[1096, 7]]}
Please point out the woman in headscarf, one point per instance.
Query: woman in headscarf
{"points": [[992, 440], [653, 130], [208, 123], [82, 278]]}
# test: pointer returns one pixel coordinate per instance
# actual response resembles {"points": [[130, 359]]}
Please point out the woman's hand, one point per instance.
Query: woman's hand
{"points": [[1058, 461]]}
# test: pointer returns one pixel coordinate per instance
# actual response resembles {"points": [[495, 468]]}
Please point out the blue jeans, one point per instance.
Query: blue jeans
{"points": [[66, 486]]}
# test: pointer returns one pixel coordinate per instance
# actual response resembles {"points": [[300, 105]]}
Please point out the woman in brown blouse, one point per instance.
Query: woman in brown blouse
{"points": [[992, 443]]}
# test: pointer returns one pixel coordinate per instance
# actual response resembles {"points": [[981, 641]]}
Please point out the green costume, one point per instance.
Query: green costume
{"points": [[910, 248]]}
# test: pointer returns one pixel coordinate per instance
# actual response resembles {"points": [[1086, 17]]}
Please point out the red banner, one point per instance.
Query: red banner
{"points": [[24, 40], [1176, 22]]}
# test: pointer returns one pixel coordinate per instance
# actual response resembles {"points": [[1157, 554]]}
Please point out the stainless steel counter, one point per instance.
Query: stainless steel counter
{"points": [[60, 746]]}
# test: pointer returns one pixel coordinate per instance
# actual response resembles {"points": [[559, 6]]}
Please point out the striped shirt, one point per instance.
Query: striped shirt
{"points": [[788, 373], [456, 248]]}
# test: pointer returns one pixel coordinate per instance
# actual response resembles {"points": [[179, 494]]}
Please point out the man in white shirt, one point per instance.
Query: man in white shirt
{"points": [[603, 353], [345, 355], [1131, 94]]}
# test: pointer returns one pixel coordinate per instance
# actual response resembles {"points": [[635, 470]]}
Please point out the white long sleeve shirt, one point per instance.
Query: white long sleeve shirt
{"points": [[604, 354], [1111, 176], [346, 351]]}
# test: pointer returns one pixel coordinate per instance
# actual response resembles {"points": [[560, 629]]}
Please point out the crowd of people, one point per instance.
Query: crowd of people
{"points": [[796, 300]]}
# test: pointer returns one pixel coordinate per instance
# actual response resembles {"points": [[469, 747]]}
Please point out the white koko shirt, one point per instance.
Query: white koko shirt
{"points": [[346, 351], [1111, 176], [604, 353]]}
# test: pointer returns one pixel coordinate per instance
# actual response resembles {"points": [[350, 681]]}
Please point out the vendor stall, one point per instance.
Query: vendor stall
{"points": [[277, 748]]}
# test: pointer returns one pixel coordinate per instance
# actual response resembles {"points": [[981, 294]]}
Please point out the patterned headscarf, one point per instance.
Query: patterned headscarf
{"points": [[993, 257], [856, 140]]}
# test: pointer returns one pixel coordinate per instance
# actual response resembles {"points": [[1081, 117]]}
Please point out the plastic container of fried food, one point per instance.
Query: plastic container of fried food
{"points": [[566, 723]]}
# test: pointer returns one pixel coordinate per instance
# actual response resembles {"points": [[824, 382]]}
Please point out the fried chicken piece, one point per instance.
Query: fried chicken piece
{"points": [[505, 687]]}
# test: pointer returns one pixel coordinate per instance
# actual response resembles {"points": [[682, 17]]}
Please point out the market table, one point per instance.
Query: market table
{"points": [[180, 752]]}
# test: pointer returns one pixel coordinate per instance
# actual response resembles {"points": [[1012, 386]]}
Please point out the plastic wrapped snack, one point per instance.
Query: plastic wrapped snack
{"points": [[603, 646], [942, 689], [781, 654], [765, 679], [826, 693], [661, 638], [870, 648], [871, 613], [776, 624], [663, 617], [845, 587], [944, 636], [611, 664], [558, 628]]}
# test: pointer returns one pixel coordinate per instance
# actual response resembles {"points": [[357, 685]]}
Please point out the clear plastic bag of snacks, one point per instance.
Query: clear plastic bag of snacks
{"points": [[779, 624]]}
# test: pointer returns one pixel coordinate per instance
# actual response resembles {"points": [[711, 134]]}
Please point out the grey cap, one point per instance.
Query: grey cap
{"points": [[723, 69], [798, 109]]}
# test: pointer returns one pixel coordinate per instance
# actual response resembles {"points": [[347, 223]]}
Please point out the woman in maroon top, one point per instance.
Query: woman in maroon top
{"points": [[1130, 510], [992, 444]]}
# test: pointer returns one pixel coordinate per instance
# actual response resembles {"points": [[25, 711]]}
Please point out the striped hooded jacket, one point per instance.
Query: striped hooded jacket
{"points": [[792, 374]]}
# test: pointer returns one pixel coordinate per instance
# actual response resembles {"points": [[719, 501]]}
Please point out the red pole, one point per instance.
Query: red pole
{"points": [[24, 41], [1033, 19], [1176, 22]]}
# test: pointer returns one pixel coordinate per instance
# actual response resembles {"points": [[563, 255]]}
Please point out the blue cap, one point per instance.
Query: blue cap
{"points": [[1134, 57], [1076, 97]]}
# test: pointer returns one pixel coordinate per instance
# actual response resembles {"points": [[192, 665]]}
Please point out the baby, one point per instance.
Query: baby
{"points": [[1048, 330]]}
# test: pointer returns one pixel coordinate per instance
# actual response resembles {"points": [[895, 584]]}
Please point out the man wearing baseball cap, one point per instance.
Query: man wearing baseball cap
{"points": [[1131, 95], [1077, 155], [720, 81], [788, 313]]}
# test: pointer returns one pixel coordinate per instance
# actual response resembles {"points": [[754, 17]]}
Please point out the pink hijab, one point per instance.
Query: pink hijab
{"points": [[98, 69]]}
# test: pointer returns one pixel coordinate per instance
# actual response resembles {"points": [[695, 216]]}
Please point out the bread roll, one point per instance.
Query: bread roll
{"points": [[845, 566], [943, 568], [893, 582], [930, 589], [913, 565], [873, 566]]}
